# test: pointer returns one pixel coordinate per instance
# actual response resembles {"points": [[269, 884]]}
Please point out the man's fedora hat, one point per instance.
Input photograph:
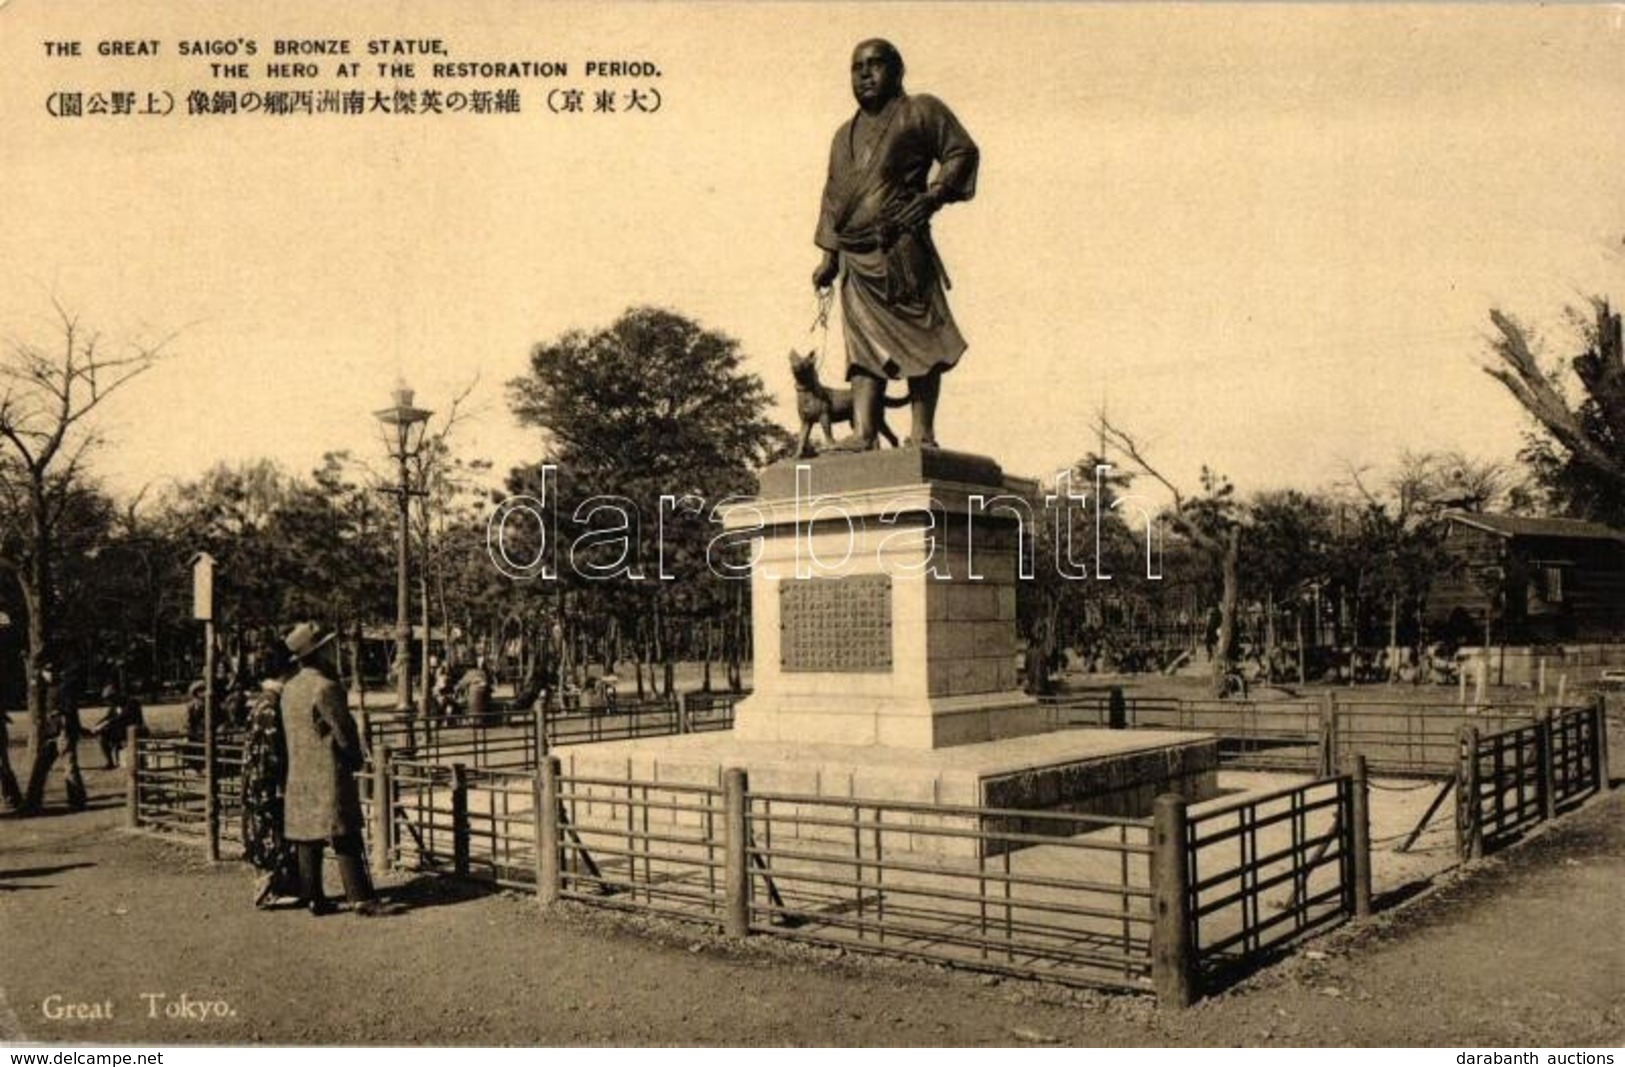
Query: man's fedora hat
{"points": [[306, 638]]}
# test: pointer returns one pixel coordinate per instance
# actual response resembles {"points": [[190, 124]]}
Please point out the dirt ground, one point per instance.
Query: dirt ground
{"points": [[159, 947]]}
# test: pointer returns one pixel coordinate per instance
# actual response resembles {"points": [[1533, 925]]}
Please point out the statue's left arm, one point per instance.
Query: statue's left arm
{"points": [[958, 158]]}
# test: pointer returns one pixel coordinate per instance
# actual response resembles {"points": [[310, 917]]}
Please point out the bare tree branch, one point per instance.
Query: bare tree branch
{"points": [[1126, 444], [1536, 392]]}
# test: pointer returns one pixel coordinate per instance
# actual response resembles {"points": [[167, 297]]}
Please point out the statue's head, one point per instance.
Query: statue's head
{"points": [[877, 72]]}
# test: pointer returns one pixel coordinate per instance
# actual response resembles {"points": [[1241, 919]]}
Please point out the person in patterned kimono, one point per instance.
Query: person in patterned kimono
{"points": [[265, 778]]}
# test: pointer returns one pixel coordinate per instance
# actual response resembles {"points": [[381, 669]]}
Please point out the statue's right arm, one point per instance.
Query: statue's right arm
{"points": [[826, 237], [828, 268]]}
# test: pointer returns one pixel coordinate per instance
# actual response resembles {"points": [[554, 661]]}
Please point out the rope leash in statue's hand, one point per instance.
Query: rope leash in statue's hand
{"points": [[820, 325]]}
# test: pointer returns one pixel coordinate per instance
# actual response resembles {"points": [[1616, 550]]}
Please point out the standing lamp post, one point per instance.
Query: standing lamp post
{"points": [[409, 423]]}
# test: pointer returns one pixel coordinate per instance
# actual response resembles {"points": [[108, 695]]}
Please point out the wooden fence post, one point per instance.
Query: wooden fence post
{"points": [[682, 713], [735, 863], [1116, 709], [1546, 764], [540, 725], [1328, 735], [1469, 829], [459, 818], [548, 882], [1599, 709], [211, 798], [1172, 965], [383, 805], [132, 781], [1360, 838]]}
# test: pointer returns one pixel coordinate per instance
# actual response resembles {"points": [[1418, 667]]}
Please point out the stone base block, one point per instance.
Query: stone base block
{"points": [[928, 723], [1084, 771]]}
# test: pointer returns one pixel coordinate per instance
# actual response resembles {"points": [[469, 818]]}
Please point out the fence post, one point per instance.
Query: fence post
{"points": [[548, 882], [682, 713], [540, 725], [1172, 966], [1469, 832], [1116, 709], [1360, 839], [383, 804], [735, 864], [1599, 708], [132, 782], [459, 818], [211, 792], [1328, 735], [1546, 764]]}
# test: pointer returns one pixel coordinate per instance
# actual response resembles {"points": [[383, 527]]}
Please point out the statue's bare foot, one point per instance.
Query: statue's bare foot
{"points": [[853, 443], [924, 442]]}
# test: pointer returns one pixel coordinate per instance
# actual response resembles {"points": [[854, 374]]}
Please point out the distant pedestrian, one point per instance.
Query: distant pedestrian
{"points": [[235, 705], [265, 780], [323, 804], [444, 702], [11, 794], [474, 691], [196, 711], [65, 731], [123, 711]]}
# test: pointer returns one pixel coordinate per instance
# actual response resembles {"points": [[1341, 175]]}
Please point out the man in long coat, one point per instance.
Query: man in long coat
{"points": [[874, 229], [322, 803]]}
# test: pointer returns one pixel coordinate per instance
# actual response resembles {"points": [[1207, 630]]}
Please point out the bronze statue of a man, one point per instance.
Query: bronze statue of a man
{"points": [[875, 229]]}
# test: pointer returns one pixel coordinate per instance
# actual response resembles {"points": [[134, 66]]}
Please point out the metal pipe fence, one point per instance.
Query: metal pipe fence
{"points": [[1578, 754], [1314, 736], [168, 786], [1512, 780], [648, 846], [1177, 903], [466, 821], [1267, 871], [1066, 897], [507, 739]]}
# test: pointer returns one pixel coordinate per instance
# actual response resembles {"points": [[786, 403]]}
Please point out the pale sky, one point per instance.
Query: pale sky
{"points": [[1267, 236]]}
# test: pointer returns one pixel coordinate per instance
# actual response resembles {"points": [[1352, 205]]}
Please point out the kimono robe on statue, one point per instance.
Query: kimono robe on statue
{"points": [[894, 308]]}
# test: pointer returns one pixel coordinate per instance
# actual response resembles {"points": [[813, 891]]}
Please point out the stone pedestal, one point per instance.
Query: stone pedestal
{"points": [[884, 601]]}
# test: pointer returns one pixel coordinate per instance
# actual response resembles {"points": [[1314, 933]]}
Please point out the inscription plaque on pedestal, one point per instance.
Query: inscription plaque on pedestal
{"points": [[836, 624]]}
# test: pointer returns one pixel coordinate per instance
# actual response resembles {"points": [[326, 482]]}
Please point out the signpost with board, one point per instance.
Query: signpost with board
{"points": [[203, 610]]}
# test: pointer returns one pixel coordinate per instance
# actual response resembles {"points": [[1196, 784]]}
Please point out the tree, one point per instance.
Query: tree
{"points": [[1089, 589], [1285, 554], [286, 548], [1211, 523], [456, 576], [1390, 544], [652, 405], [1578, 455], [232, 512], [47, 396], [333, 554]]}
